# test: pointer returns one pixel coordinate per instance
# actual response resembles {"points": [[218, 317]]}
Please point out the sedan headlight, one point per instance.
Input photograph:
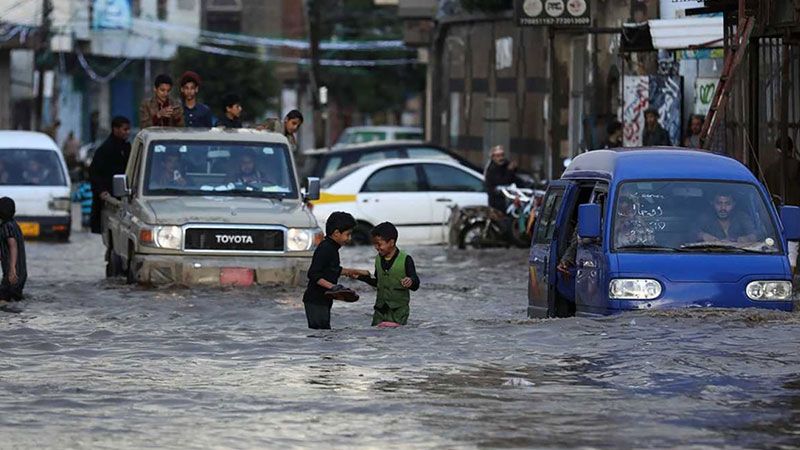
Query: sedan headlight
{"points": [[168, 236], [634, 289], [302, 239], [769, 290]]}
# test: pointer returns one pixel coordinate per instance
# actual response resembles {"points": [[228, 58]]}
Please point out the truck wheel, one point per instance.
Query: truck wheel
{"points": [[471, 236]]}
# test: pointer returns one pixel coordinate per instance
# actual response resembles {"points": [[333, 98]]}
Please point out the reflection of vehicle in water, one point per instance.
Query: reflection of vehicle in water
{"points": [[34, 174], [641, 229], [209, 206], [483, 226]]}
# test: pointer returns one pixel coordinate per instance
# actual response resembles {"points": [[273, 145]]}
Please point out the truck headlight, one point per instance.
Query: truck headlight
{"points": [[168, 236], [302, 239], [634, 289], [769, 290], [59, 204]]}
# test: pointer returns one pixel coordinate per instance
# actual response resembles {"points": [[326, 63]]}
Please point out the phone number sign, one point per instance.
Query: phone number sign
{"points": [[553, 12]]}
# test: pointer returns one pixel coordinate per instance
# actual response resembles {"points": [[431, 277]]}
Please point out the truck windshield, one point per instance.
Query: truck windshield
{"points": [[30, 167], [692, 216], [219, 168]]}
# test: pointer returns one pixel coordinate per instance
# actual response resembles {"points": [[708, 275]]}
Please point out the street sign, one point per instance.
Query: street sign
{"points": [[552, 12]]}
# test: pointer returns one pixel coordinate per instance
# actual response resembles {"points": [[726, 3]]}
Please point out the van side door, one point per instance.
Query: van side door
{"points": [[543, 257]]}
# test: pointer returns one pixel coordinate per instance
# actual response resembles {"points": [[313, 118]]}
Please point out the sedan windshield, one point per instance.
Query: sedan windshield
{"points": [[692, 216], [30, 167], [219, 168]]}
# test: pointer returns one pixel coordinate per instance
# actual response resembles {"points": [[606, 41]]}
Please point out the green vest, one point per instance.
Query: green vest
{"points": [[390, 291]]}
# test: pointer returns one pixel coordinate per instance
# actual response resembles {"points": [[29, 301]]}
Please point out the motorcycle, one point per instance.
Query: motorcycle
{"points": [[483, 226]]}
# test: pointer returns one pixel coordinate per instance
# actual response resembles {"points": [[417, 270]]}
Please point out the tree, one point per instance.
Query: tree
{"points": [[252, 80]]}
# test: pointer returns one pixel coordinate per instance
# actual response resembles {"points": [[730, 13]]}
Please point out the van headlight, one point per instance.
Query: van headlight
{"points": [[302, 239], [59, 204], [634, 289], [769, 290], [168, 236]]}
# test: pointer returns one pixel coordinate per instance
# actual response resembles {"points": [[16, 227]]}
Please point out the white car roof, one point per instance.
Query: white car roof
{"points": [[360, 172], [26, 139], [383, 128]]}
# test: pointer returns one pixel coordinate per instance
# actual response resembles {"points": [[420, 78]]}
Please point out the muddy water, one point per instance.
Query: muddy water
{"points": [[97, 364]]}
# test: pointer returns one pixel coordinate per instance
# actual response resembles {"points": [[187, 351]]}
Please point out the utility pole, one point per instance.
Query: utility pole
{"points": [[42, 54], [313, 18]]}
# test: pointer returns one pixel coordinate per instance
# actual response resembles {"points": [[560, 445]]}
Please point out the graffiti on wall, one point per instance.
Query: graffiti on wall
{"points": [[664, 93]]}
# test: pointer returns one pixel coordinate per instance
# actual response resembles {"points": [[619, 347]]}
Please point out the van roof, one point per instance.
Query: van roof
{"points": [[656, 163], [26, 139]]}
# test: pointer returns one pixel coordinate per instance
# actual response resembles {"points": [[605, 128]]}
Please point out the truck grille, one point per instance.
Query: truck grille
{"points": [[233, 239]]}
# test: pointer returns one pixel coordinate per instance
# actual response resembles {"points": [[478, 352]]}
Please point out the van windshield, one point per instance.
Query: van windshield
{"points": [[692, 216], [219, 168], [30, 167]]}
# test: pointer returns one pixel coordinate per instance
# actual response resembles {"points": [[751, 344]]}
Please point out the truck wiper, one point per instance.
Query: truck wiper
{"points": [[646, 247], [708, 246]]}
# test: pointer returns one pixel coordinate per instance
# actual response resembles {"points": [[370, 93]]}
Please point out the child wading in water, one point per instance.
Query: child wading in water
{"points": [[12, 257], [323, 275], [395, 277]]}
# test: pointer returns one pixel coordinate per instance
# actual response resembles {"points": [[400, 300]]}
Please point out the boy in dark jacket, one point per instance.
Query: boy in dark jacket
{"points": [[12, 256], [395, 277], [325, 270]]}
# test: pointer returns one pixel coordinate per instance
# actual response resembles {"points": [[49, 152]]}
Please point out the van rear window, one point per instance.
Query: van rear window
{"points": [[30, 167]]}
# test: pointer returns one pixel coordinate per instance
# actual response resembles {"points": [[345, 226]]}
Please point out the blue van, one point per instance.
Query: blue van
{"points": [[659, 228]]}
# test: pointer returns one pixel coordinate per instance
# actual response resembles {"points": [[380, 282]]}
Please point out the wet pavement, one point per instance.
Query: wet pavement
{"points": [[92, 363]]}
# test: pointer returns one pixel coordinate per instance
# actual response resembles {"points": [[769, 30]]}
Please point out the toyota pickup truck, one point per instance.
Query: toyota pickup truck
{"points": [[214, 206]]}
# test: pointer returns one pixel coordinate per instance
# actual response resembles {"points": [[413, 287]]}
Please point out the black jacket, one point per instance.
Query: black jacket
{"points": [[325, 264], [498, 175], [224, 121], [110, 159], [659, 136]]}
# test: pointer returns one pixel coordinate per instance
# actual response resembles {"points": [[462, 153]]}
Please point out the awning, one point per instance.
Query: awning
{"points": [[672, 34]]}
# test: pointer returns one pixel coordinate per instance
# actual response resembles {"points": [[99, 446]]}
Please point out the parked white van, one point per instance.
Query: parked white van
{"points": [[34, 174]]}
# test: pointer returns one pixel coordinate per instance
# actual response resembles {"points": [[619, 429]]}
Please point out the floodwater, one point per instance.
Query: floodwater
{"points": [[98, 364]]}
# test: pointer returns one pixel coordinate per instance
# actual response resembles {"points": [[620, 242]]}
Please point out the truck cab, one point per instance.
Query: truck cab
{"points": [[637, 229], [209, 207]]}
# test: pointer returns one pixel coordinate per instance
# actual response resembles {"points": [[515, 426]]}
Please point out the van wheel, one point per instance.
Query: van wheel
{"points": [[361, 234], [471, 236], [131, 274]]}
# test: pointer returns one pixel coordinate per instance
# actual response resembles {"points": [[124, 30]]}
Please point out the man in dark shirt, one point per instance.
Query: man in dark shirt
{"points": [[110, 159], [727, 224], [195, 114], [233, 112], [654, 134], [325, 270], [12, 256], [499, 172], [395, 276]]}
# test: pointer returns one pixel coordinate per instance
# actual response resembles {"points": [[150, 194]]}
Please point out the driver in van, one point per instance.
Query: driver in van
{"points": [[726, 224], [169, 173]]}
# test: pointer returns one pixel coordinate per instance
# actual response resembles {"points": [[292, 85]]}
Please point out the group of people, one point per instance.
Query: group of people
{"points": [[653, 133], [162, 110], [395, 275]]}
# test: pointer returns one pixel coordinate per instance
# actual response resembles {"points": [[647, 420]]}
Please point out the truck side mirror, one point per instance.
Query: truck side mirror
{"points": [[589, 221], [790, 218], [119, 186], [312, 192]]}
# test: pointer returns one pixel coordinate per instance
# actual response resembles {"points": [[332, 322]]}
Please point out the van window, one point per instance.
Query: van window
{"points": [[31, 167], [547, 220], [687, 216]]}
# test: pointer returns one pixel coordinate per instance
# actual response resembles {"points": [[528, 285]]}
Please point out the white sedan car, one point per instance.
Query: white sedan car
{"points": [[414, 194]]}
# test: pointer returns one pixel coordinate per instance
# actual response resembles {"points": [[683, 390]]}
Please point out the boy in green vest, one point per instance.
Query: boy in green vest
{"points": [[395, 277]]}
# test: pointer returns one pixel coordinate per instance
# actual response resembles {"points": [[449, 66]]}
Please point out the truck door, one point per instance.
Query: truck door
{"points": [[543, 257]]}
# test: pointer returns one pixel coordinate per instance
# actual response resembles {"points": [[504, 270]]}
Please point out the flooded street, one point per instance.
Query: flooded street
{"points": [[98, 364]]}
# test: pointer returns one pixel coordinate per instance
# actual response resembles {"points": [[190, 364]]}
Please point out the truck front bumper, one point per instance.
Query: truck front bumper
{"points": [[187, 270]]}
